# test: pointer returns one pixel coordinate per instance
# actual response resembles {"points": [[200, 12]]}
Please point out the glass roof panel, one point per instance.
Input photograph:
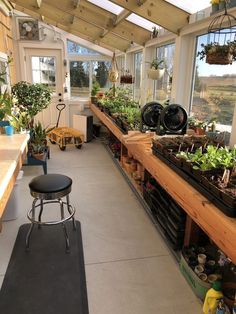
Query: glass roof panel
{"points": [[190, 5], [108, 5], [140, 21]]}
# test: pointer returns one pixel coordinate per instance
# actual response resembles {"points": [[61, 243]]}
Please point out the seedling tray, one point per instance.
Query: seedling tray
{"points": [[229, 209]]}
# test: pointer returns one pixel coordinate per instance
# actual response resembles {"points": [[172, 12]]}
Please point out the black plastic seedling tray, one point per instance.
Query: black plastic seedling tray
{"points": [[224, 202]]}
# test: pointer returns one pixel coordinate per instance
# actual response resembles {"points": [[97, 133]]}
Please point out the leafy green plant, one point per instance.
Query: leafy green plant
{"points": [[32, 97], [123, 107], [38, 138], [219, 49], [6, 104], [156, 63], [212, 158], [95, 88], [20, 121]]}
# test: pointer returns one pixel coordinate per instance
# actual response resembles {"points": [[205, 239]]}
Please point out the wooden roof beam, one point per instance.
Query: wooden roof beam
{"points": [[115, 43], [75, 3], [38, 4], [159, 12], [119, 18]]}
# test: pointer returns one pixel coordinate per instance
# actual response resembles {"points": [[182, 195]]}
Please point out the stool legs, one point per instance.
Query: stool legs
{"points": [[32, 224], [64, 227], [40, 213], [70, 211], [32, 214]]}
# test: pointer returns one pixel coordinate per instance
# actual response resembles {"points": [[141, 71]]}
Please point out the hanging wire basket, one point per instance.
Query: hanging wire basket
{"points": [[126, 77], [222, 37]]}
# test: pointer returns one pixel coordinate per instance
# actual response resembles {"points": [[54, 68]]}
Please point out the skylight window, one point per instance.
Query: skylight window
{"points": [[190, 5], [140, 21], [108, 5]]}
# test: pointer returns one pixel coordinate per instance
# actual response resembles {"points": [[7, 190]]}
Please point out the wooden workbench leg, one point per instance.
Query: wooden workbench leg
{"points": [[192, 232]]}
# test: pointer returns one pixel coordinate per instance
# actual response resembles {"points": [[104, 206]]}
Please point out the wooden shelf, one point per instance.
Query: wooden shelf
{"points": [[220, 228]]}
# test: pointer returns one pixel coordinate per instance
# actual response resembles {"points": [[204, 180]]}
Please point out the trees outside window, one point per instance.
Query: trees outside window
{"points": [[79, 78], [100, 73]]}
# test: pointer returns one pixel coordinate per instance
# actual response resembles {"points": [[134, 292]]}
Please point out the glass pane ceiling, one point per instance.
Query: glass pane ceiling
{"points": [[189, 6]]}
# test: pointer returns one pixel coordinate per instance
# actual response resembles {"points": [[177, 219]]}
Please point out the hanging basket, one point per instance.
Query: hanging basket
{"points": [[113, 73], [126, 79], [222, 33], [156, 74], [217, 57]]}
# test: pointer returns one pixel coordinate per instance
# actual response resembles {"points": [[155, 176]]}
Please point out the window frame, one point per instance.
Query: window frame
{"points": [[7, 84], [219, 126]]}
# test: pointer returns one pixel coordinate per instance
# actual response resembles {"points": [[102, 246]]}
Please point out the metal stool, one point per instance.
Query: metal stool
{"points": [[47, 189]]}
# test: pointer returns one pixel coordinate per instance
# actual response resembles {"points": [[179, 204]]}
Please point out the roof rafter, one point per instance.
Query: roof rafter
{"points": [[117, 20], [64, 14], [38, 3], [159, 12], [75, 3], [78, 28]]}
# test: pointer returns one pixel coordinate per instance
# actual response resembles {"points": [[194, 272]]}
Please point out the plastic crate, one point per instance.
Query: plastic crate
{"points": [[199, 286]]}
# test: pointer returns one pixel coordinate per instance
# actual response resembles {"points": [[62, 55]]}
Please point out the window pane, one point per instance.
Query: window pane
{"points": [[137, 74], [3, 72], [121, 63], [214, 91], [79, 78], [74, 48], [100, 74], [162, 87], [44, 71]]}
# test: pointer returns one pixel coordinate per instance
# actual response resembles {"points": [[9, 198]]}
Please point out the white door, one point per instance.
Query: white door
{"points": [[45, 66]]}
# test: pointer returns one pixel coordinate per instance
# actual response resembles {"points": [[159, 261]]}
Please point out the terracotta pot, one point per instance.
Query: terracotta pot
{"points": [[200, 131], [38, 156]]}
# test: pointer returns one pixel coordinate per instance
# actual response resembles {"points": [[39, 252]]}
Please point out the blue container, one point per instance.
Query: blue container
{"points": [[9, 130]]}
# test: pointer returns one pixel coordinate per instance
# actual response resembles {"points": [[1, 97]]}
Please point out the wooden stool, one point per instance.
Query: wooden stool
{"points": [[47, 189]]}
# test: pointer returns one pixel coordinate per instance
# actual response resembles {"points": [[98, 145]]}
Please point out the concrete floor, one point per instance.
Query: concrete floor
{"points": [[129, 269]]}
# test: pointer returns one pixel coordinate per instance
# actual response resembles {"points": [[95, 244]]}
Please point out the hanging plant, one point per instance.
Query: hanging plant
{"points": [[113, 73], [222, 48], [215, 53], [126, 77], [157, 69]]}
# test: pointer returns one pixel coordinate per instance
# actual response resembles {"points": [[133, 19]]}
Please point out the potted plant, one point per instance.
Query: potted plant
{"points": [[20, 121], [6, 104], [94, 91], [38, 141], [216, 53], [214, 6], [157, 69], [126, 77], [31, 98], [198, 126]]}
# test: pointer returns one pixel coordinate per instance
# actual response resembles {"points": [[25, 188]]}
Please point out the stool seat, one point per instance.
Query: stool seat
{"points": [[50, 186]]}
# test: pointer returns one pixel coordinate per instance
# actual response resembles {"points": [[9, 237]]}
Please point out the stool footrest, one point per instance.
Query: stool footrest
{"points": [[51, 223]]}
